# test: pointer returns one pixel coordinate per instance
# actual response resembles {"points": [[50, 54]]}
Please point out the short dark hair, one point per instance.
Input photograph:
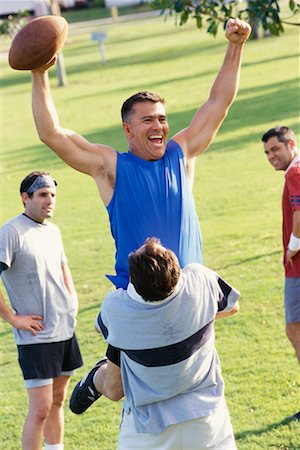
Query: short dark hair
{"points": [[283, 134], [154, 270], [29, 179], [139, 97]]}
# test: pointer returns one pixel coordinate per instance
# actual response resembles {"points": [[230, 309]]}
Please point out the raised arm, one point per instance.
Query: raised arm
{"points": [[96, 160], [198, 135]]}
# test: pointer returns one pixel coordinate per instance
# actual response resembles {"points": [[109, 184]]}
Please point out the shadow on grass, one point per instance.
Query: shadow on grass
{"points": [[273, 426], [145, 57], [30, 157], [89, 308], [244, 112], [125, 39], [247, 260]]}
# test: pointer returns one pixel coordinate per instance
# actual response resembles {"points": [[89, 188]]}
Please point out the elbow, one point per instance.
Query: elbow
{"points": [[236, 308], [48, 135], [42, 136]]}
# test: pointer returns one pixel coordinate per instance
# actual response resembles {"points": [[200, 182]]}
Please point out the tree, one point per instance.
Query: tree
{"points": [[212, 13]]}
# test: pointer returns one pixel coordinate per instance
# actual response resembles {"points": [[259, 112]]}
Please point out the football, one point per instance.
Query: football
{"points": [[37, 43]]}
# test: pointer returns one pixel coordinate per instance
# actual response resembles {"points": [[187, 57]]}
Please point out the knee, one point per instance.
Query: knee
{"points": [[293, 333], [114, 392], [41, 412], [58, 399]]}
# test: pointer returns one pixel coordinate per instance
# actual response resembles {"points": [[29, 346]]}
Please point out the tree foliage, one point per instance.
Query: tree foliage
{"points": [[13, 24], [212, 13]]}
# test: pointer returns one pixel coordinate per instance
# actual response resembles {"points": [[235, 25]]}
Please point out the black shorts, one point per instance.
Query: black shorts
{"points": [[49, 360], [114, 354]]}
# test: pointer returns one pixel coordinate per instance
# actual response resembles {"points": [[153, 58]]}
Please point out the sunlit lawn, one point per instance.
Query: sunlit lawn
{"points": [[237, 197]]}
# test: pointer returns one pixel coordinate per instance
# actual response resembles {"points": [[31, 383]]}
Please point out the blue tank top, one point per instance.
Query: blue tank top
{"points": [[153, 199]]}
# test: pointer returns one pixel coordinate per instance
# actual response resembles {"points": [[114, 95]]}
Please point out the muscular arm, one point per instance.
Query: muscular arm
{"points": [[96, 160], [207, 120], [296, 232]]}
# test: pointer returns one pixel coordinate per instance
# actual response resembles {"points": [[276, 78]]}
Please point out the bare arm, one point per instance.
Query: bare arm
{"points": [[96, 160], [32, 323], [223, 314], [207, 120], [296, 232], [69, 283]]}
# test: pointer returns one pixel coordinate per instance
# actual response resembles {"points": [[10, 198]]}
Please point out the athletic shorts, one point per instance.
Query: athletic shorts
{"points": [[46, 361], [292, 300], [114, 355], [213, 431]]}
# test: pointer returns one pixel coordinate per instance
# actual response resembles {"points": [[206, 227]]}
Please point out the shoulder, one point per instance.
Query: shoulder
{"points": [[114, 307], [196, 275], [292, 177], [173, 148], [53, 227], [199, 269], [293, 171], [12, 225], [114, 298]]}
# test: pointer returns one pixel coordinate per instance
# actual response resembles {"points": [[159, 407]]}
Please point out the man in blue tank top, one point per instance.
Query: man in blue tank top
{"points": [[147, 191]]}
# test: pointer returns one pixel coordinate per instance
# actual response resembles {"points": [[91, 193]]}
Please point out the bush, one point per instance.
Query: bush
{"points": [[13, 24]]}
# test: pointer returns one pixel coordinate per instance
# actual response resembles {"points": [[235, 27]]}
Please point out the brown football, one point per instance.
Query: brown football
{"points": [[36, 44]]}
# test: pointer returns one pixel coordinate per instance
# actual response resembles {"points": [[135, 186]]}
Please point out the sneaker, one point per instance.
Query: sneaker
{"points": [[294, 417], [85, 393]]}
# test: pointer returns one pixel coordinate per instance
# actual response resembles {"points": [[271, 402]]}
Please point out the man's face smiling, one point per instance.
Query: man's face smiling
{"points": [[279, 154], [147, 130]]}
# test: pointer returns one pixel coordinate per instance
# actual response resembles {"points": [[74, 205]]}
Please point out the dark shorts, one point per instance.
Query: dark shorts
{"points": [[292, 300], [49, 360], [113, 354]]}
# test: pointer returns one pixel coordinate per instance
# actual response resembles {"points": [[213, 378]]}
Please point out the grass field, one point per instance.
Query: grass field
{"points": [[237, 197]]}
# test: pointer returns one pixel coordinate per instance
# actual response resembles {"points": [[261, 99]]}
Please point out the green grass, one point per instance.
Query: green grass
{"points": [[100, 12], [237, 197]]}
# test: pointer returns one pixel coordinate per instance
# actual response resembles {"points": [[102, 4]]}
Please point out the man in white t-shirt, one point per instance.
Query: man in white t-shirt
{"points": [[44, 303]]}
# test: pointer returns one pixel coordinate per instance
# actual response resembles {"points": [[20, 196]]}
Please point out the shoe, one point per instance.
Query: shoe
{"points": [[294, 417], [85, 393]]}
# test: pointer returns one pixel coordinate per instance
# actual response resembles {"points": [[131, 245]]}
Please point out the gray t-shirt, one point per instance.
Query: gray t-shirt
{"points": [[34, 280], [170, 367]]}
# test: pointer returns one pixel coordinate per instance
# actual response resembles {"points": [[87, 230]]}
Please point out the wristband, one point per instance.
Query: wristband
{"points": [[294, 244]]}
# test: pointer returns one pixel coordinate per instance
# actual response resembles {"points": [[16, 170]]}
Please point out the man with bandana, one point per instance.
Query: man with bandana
{"points": [[44, 303]]}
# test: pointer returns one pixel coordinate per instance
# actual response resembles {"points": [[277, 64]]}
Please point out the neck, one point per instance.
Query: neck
{"points": [[33, 218]]}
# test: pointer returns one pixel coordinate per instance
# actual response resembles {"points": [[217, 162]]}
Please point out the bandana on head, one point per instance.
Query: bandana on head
{"points": [[41, 181]]}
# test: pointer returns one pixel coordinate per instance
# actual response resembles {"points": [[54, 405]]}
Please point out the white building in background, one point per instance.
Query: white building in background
{"points": [[15, 6]]}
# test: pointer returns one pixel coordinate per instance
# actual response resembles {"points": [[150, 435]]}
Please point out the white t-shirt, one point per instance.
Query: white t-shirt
{"points": [[34, 281]]}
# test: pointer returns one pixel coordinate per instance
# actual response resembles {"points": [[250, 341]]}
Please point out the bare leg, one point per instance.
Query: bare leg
{"points": [[108, 381], [293, 333], [104, 378], [40, 401], [54, 427]]}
